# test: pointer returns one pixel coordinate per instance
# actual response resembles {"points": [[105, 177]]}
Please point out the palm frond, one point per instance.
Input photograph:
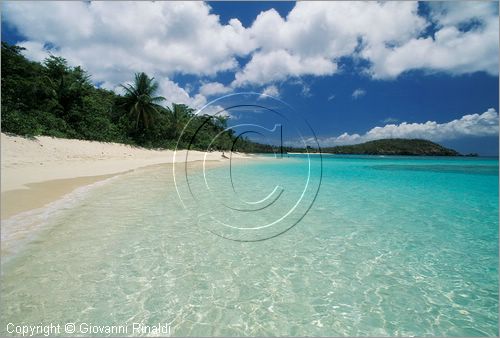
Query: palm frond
{"points": [[141, 100]]}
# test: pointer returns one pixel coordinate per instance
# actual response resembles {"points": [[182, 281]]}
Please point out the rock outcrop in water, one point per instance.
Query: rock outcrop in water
{"points": [[395, 146]]}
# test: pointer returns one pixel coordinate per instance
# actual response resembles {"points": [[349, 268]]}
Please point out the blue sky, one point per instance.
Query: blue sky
{"points": [[428, 69]]}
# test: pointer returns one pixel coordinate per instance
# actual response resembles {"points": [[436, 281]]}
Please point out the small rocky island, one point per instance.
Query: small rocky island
{"points": [[394, 146]]}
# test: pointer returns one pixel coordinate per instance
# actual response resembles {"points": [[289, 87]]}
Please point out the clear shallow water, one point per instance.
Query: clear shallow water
{"points": [[391, 246]]}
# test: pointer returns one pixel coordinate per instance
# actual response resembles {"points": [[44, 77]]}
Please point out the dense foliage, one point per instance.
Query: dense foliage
{"points": [[394, 146], [55, 99]]}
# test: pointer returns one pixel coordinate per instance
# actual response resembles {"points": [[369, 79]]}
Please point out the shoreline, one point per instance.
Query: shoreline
{"points": [[40, 194], [23, 222], [37, 172]]}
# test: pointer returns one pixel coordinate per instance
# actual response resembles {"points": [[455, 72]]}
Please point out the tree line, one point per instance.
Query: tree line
{"points": [[54, 99]]}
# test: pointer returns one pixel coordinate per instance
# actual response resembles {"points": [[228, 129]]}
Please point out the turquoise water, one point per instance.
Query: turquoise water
{"points": [[390, 246]]}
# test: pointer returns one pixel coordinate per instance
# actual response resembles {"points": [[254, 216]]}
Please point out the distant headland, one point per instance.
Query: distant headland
{"points": [[395, 146]]}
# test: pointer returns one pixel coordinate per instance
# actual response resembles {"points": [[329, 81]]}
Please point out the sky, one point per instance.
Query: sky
{"points": [[356, 71]]}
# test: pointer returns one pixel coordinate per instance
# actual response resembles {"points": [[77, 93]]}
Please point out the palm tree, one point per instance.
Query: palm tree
{"points": [[179, 115], [140, 100]]}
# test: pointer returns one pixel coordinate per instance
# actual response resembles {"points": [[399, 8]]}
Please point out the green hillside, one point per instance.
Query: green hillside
{"points": [[395, 146]]}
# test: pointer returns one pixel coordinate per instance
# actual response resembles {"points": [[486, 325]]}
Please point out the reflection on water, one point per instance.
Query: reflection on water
{"points": [[381, 252], [443, 168]]}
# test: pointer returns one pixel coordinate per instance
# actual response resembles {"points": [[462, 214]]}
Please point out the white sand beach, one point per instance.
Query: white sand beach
{"points": [[37, 171]]}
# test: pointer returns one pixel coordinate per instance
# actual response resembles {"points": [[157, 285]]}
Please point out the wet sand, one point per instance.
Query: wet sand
{"points": [[36, 172]]}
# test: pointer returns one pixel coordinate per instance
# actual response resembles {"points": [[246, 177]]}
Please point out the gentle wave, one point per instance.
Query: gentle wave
{"points": [[22, 228]]}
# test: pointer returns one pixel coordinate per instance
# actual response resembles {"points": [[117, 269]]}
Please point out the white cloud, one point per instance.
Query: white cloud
{"points": [[357, 93], [279, 65], [451, 49], [112, 40], [175, 94], [214, 110], [271, 91], [390, 35], [447, 13], [315, 35], [214, 88], [34, 50], [485, 124], [331, 97]]}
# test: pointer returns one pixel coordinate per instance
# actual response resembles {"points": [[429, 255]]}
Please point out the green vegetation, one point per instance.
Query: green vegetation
{"points": [[55, 99], [395, 146], [140, 101]]}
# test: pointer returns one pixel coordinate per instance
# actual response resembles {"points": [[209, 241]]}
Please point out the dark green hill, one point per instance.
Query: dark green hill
{"points": [[394, 146]]}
